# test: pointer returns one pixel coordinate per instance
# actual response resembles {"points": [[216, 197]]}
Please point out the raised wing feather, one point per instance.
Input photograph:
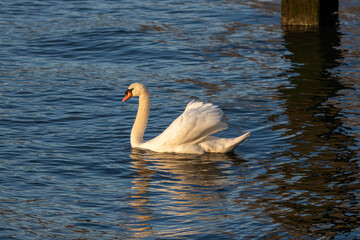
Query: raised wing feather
{"points": [[198, 121]]}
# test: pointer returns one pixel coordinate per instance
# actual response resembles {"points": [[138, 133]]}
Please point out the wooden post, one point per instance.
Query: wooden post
{"points": [[308, 12]]}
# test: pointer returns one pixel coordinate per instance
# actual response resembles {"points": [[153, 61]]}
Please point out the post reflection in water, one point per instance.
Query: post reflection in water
{"points": [[189, 189], [316, 181]]}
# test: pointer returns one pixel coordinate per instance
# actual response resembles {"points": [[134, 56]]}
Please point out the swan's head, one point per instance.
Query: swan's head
{"points": [[134, 90]]}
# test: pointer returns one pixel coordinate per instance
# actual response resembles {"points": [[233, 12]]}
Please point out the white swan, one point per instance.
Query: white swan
{"points": [[189, 133]]}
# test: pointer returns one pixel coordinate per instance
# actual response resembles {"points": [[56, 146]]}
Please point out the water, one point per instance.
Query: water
{"points": [[67, 168]]}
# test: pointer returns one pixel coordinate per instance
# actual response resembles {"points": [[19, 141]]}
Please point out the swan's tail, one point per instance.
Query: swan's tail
{"points": [[236, 142], [222, 145]]}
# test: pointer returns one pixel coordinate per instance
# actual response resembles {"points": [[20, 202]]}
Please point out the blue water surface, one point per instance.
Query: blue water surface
{"points": [[67, 170]]}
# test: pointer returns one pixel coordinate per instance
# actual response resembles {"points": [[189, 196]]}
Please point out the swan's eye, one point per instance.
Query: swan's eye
{"points": [[128, 91]]}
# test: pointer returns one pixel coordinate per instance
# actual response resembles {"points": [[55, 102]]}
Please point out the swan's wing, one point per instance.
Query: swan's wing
{"points": [[198, 121]]}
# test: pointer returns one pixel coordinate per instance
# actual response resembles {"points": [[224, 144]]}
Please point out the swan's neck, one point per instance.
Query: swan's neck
{"points": [[138, 130]]}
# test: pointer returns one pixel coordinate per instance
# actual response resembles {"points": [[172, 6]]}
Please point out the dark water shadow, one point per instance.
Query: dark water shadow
{"points": [[316, 180]]}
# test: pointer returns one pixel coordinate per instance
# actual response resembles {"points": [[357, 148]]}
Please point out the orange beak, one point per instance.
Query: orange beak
{"points": [[127, 95]]}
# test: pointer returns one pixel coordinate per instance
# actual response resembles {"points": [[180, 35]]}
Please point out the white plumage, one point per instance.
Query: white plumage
{"points": [[189, 133]]}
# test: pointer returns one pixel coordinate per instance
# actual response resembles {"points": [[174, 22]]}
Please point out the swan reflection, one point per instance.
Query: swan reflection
{"points": [[172, 186]]}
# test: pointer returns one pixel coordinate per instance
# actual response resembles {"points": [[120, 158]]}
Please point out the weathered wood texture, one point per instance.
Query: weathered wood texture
{"points": [[308, 12]]}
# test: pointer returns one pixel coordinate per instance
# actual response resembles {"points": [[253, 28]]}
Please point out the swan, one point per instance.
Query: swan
{"points": [[190, 133]]}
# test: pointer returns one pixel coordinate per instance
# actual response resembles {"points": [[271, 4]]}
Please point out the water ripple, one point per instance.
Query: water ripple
{"points": [[66, 165]]}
